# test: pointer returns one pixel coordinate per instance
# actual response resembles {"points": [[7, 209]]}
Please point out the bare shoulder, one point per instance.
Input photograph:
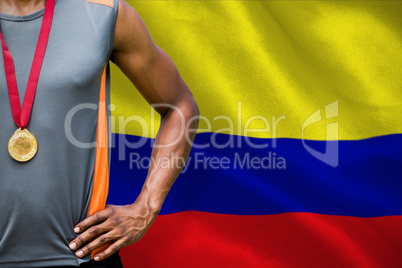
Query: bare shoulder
{"points": [[131, 34], [147, 66]]}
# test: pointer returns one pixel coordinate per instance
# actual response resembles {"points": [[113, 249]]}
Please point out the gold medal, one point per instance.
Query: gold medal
{"points": [[22, 145]]}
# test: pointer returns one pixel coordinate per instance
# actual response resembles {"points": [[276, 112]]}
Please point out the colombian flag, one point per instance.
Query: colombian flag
{"points": [[298, 158]]}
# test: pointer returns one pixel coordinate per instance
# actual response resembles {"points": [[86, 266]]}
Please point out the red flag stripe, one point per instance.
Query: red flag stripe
{"points": [[202, 239]]}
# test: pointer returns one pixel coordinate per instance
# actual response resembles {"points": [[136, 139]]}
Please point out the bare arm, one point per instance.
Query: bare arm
{"points": [[156, 77]]}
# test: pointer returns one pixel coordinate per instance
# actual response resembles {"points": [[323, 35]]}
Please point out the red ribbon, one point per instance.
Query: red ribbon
{"points": [[21, 116]]}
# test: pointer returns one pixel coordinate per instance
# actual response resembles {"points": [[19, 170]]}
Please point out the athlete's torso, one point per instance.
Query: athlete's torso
{"points": [[42, 200]]}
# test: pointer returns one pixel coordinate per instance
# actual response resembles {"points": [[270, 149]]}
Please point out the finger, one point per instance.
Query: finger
{"points": [[110, 250], [88, 235], [97, 243], [93, 219]]}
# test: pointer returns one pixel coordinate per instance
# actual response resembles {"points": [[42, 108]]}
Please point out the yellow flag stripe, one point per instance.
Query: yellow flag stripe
{"points": [[321, 69]]}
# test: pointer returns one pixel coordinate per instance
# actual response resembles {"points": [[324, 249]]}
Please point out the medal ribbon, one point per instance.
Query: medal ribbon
{"points": [[21, 116]]}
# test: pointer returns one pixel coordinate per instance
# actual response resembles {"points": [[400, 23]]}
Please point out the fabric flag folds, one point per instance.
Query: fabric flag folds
{"points": [[298, 158]]}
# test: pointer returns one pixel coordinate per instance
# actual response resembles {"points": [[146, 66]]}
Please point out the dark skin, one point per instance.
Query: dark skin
{"points": [[156, 77]]}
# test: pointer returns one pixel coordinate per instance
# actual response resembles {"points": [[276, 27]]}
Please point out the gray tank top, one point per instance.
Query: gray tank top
{"points": [[42, 200]]}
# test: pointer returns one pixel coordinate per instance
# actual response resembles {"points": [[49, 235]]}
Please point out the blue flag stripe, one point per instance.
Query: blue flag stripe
{"points": [[281, 177]]}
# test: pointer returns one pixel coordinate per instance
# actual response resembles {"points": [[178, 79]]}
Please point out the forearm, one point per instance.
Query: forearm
{"points": [[158, 80], [169, 154]]}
